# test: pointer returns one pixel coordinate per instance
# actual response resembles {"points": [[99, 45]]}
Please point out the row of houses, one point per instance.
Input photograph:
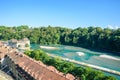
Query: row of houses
{"points": [[23, 67]]}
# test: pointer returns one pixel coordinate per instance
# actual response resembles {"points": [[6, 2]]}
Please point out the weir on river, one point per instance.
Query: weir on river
{"points": [[89, 65]]}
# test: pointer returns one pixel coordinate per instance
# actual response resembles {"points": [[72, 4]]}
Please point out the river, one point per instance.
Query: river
{"points": [[107, 60]]}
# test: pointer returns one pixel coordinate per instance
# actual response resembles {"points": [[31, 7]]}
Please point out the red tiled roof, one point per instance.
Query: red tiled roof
{"points": [[36, 69]]}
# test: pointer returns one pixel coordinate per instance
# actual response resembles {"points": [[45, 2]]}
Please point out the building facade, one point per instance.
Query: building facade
{"points": [[22, 44]]}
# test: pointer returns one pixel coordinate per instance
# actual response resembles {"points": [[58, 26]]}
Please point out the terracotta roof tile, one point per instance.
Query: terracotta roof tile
{"points": [[36, 69]]}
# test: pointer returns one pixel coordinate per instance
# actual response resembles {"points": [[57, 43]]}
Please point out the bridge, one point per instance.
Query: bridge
{"points": [[89, 65]]}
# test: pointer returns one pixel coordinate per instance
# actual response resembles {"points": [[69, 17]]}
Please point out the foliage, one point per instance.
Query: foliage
{"points": [[90, 37], [84, 73]]}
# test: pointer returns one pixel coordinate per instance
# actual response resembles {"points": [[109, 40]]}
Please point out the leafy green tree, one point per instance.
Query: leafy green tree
{"points": [[83, 77]]}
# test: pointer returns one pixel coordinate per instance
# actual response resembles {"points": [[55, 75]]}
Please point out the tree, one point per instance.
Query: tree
{"points": [[83, 77]]}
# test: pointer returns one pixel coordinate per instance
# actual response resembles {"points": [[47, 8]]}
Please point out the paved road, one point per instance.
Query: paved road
{"points": [[4, 76]]}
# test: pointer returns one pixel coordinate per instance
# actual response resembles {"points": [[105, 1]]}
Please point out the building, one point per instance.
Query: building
{"points": [[22, 44], [23, 67]]}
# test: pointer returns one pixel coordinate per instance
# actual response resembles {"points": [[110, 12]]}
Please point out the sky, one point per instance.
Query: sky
{"points": [[64, 13]]}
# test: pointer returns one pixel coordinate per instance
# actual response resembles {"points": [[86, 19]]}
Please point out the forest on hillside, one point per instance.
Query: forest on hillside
{"points": [[90, 37]]}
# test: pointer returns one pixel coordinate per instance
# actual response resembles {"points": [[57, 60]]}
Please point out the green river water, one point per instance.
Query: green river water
{"points": [[107, 60]]}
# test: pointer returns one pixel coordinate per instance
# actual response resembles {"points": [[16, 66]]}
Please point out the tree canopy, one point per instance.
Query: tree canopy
{"points": [[90, 37]]}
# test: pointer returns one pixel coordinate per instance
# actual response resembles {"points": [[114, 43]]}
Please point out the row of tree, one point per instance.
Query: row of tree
{"points": [[91, 37], [81, 73]]}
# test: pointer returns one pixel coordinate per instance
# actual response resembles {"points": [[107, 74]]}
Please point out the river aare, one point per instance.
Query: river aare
{"points": [[102, 59]]}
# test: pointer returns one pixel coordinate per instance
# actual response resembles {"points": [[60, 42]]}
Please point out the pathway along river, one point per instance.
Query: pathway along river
{"points": [[107, 60]]}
